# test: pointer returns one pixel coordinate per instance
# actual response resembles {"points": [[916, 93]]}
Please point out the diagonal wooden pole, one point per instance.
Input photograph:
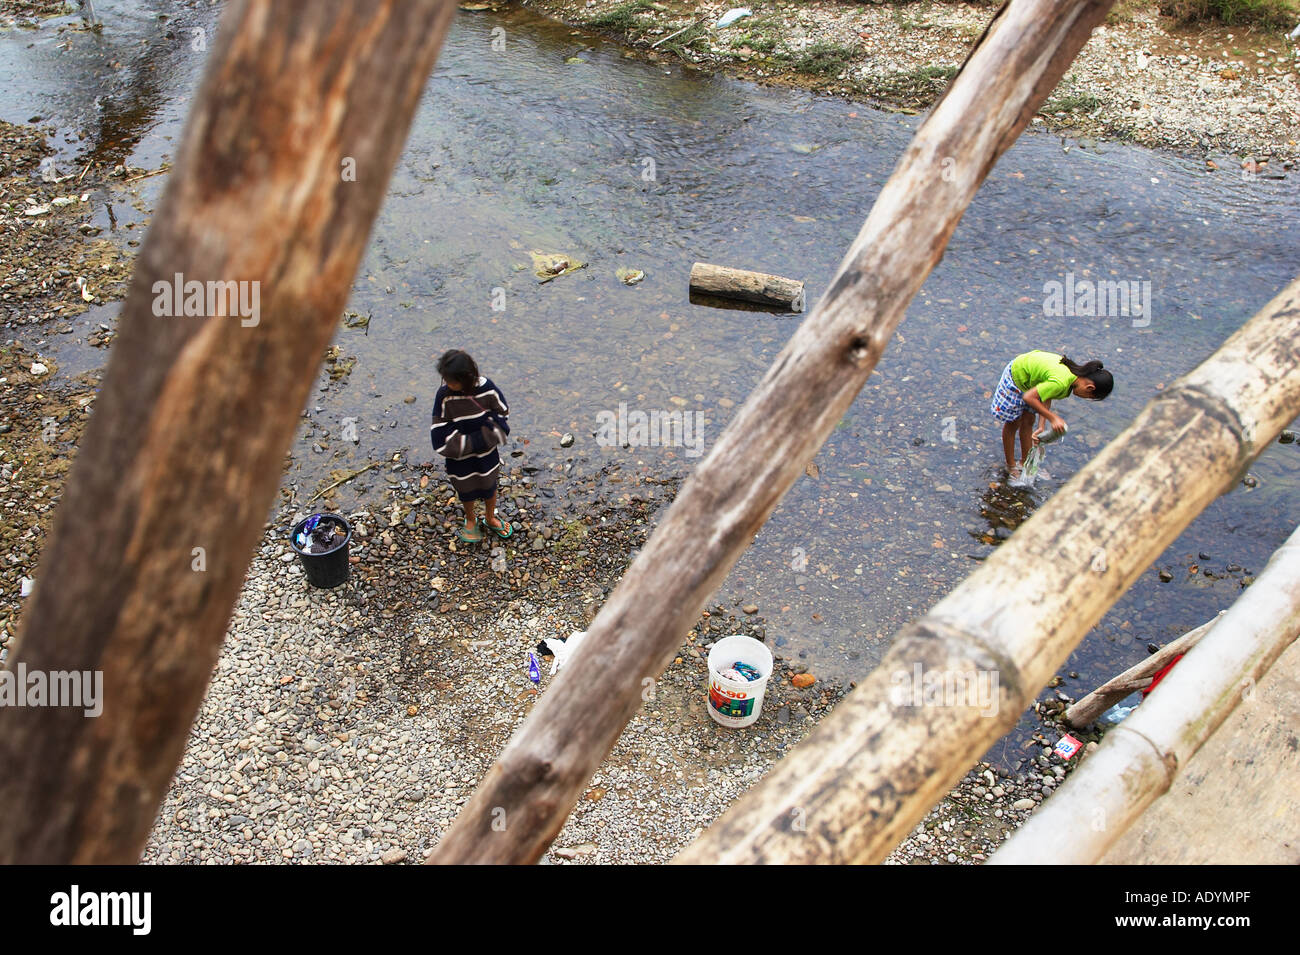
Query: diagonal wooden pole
{"points": [[860, 782], [528, 793], [1139, 759], [287, 153]]}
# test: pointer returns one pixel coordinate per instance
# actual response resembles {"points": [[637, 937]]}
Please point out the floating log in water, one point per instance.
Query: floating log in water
{"points": [[723, 282]]}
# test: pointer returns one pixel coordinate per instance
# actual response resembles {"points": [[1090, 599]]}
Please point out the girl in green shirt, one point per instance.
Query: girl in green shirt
{"points": [[1029, 385]]}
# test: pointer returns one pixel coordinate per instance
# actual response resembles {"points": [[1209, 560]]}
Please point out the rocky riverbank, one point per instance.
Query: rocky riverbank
{"points": [[1142, 78], [352, 725]]}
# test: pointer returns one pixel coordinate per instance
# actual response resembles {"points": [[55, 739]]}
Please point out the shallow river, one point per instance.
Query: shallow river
{"points": [[625, 164]]}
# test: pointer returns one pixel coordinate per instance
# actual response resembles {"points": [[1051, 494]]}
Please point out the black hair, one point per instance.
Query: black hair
{"points": [[1094, 371], [456, 365]]}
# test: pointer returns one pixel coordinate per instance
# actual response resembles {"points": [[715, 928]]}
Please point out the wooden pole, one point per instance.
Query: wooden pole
{"points": [[523, 801], [1136, 677], [286, 157], [892, 748], [1139, 759]]}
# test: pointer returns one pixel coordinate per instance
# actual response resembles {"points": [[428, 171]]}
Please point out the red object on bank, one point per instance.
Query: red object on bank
{"points": [[1160, 674]]}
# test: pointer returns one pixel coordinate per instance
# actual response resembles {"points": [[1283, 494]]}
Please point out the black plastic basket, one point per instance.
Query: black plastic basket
{"points": [[328, 569]]}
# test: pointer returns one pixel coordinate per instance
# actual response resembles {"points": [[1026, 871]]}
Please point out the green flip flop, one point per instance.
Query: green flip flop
{"points": [[466, 538], [505, 531]]}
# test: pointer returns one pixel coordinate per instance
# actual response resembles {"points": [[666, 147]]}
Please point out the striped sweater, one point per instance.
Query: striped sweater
{"points": [[467, 429]]}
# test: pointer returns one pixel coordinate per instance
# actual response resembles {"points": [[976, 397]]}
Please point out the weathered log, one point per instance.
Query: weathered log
{"points": [[1139, 759], [523, 801], [757, 287], [875, 765], [286, 156], [1136, 677]]}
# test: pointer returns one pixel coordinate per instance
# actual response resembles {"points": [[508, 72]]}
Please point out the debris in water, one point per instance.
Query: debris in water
{"points": [[548, 265], [357, 320], [630, 276]]}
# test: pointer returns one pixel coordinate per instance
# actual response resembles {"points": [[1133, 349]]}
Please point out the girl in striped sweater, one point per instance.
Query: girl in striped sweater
{"points": [[470, 421]]}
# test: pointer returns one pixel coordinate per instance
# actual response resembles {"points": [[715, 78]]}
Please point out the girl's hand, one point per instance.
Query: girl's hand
{"points": [[1058, 423]]}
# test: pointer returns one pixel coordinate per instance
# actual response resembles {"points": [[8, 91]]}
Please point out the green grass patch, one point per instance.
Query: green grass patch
{"points": [[622, 18], [918, 87], [758, 42], [1266, 14], [822, 59], [1071, 102], [678, 44]]}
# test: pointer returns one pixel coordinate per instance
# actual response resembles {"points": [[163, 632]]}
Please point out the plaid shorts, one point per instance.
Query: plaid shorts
{"points": [[1008, 404]]}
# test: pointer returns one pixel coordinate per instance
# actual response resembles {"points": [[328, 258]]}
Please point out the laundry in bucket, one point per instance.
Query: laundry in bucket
{"points": [[740, 672], [748, 672], [319, 536]]}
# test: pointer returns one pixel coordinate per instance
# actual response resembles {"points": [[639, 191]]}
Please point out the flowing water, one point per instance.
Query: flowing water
{"points": [[560, 143]]}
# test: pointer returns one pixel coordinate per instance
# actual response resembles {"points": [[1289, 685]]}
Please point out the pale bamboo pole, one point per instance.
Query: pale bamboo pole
{"points": [[1139, 759], [870, 771], [1136, 677], [528, 793]]}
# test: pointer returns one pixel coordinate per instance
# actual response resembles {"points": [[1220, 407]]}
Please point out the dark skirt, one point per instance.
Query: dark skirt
{"points": [[475, 479]]}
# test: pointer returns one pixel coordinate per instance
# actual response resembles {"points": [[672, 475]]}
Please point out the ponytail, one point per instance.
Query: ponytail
{"points": [[1084, 370], [1095, 372]]}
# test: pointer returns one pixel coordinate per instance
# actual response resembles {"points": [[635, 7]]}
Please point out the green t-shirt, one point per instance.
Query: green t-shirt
{"points": [[1043, 370]]}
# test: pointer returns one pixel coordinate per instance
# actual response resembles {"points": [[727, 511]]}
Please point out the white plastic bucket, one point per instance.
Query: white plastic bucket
{"points": [[737, 703]]}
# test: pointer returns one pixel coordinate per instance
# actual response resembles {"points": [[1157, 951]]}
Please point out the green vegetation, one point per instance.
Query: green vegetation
{"points": [[906, 21], [918, 87], [1071, 103], [1267, 14], [678, 44], [1123, 10], [758, 42], [571, 537], [822, 59], [622, 18]]}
